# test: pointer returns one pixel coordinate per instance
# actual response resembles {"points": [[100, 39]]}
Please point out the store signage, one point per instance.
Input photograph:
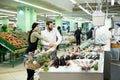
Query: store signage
{"points": [[98, 18]]}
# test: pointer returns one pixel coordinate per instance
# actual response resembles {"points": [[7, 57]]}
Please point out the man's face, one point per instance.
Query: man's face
{"points": [[116, 27], [50, 26]]}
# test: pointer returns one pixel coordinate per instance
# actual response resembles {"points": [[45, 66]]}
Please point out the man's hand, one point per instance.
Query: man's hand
{"points": [[52, 44]]}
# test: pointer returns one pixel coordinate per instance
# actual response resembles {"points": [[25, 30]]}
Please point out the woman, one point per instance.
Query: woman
{"points": [[33, 38]]}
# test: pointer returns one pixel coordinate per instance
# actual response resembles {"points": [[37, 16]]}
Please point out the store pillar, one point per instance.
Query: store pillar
{"points": [[58, 21], [79, 24], [71, 25], [25, 18], [33, 16], [5, 22]]}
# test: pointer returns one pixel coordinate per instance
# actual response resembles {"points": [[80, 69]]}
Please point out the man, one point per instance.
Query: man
{"points": [[116, 32], [53, 35], [77, 35], [90, 34]]}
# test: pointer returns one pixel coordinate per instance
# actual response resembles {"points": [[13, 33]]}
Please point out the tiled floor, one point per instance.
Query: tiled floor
{"points": [[9, 73]]}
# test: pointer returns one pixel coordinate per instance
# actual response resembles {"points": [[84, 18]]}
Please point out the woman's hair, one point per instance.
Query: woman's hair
{"points": [[110, 28], [59, 28], [33, 26]]}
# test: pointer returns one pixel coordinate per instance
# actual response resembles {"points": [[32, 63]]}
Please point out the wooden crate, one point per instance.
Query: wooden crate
{"points": [[115, 45]]}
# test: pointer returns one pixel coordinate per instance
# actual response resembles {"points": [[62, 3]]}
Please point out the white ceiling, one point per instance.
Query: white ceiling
{"points": [[66, 7], [64, 4]]}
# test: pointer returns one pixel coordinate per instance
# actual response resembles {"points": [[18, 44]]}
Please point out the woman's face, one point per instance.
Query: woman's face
{"points": [[36, 28]]}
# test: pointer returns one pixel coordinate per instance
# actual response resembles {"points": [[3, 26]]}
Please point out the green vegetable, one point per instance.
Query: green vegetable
{"points": [[95, 67], [46, 67], [42, 59]]}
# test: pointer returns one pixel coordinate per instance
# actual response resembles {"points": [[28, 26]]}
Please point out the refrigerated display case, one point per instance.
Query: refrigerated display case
{"points": [[79, 70]]}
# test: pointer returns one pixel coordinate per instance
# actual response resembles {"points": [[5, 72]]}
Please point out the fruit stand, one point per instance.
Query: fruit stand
{"points": [[13, 45]]}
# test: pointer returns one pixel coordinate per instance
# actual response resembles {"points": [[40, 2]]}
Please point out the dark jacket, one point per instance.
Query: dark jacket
{"points": [[89, 34], [77, 33]]}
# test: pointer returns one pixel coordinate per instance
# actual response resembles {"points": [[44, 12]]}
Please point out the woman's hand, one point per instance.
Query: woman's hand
{"points": [[52, 44]]}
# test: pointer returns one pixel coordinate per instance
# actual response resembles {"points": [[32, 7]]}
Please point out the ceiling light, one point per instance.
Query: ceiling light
{"points": [[84, 10], [36, 6], [8, 11], [6, 14], [3, 16], [112, 15], [73, 1], [90, 7], [112, 2], [47, 15]]}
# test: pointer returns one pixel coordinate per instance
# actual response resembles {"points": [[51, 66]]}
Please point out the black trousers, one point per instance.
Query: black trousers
{"points": [[78, 41], [30, 74]]}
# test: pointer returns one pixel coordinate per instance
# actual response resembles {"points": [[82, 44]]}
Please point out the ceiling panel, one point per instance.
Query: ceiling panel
{"points": [[84, 1], [65, 6]]}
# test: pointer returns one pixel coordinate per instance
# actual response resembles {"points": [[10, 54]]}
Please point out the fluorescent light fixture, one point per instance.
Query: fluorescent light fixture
{"points": [[6, 14], [11, 22], [47, 15], [90, 7], [112, 13], [73, 1], [36, 6], [113, 16], [3, 16], [84, 10], [112, 2], [65, 19], [8, 11]]}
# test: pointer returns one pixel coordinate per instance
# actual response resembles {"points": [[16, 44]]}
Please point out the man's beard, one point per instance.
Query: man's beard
{"points": [[50, 29]]}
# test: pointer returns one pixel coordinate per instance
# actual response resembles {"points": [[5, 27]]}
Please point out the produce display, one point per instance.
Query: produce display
{"points": [[81, 60], [14, 39], [85, 60], [15, 43], [35, 60], [21, 36]]}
